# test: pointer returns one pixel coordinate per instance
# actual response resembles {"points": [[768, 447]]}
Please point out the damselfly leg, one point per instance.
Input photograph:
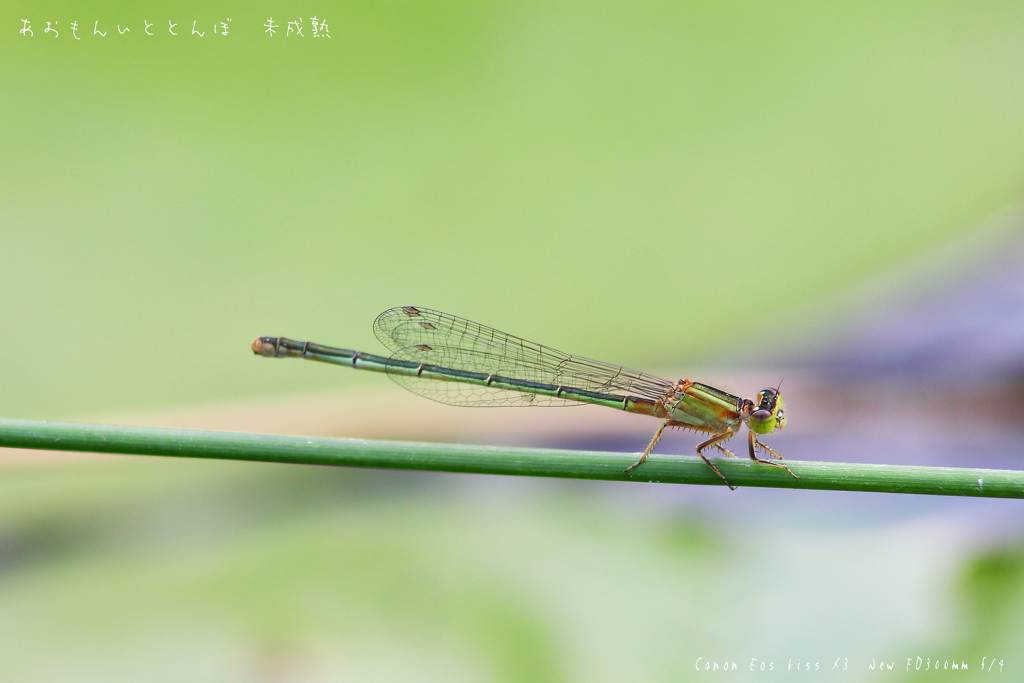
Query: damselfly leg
{"points": [[650, 446], [715, 441], [753, 443]]}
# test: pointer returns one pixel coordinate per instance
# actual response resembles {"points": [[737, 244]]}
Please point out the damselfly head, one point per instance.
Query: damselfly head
{"points": [[768, 414]]}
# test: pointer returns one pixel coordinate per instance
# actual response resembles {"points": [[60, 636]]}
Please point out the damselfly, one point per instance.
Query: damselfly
{"points": [[463, 363]]}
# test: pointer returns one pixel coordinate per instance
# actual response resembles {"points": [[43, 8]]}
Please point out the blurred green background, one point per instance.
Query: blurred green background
{"points": [[657, 184]]}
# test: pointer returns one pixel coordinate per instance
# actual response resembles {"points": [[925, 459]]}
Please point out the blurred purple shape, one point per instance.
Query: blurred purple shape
{"points": [[962, 321]]}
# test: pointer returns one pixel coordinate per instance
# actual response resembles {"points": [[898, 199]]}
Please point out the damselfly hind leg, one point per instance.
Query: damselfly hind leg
{"points": [[715, 441], [753, 443], [650, 446]]}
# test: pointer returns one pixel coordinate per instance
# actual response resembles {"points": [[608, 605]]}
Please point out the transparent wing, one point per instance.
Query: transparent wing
{"points": [[421, 335]]}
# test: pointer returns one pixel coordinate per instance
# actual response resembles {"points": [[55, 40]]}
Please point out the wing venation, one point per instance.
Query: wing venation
{"points": [[422, 335]]}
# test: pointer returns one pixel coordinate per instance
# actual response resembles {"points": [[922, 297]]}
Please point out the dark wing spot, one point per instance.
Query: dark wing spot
{"points": [[427, 325], [411, 310], [422, 347]]}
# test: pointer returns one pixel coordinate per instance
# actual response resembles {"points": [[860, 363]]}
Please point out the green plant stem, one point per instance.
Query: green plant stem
{"points": [[537, 462]]}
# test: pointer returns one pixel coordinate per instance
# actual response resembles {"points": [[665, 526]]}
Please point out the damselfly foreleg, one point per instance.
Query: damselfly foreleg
{"points": [[753, 443]]}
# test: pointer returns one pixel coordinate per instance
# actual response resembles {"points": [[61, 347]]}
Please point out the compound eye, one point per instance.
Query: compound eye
{"points": [[761, 415]]}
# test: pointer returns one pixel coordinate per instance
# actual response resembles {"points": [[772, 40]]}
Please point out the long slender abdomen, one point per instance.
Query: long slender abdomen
{"points": [[281, 347]]}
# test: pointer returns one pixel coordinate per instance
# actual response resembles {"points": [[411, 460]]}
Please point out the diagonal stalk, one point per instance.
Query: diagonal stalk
{"points": [[537, 462]]}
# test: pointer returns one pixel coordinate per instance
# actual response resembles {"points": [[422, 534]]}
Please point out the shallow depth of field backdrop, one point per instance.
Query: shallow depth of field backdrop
{"points": [[670, 186]]}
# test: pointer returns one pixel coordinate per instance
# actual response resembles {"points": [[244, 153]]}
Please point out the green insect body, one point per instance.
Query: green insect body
{"points": [[459, 362]]}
